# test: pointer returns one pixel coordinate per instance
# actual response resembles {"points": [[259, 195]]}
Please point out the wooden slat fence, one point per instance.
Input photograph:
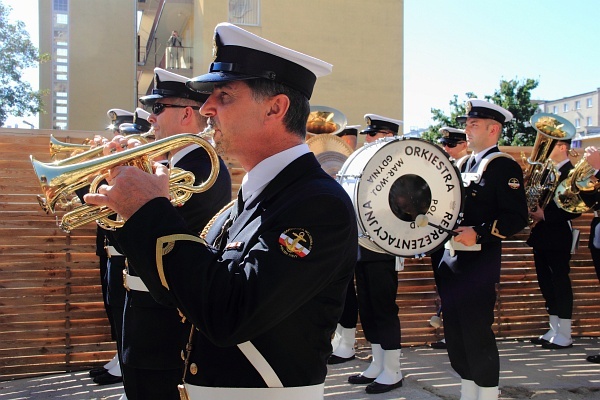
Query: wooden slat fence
{"points": [[51, 313]]}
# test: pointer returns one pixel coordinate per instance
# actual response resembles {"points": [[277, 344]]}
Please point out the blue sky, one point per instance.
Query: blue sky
{"points": [[459, 46]]}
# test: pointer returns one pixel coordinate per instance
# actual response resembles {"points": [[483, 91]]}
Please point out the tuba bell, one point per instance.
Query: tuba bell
{"points": [[59, 181], [541, 176], [579, 182], [325, 120]]}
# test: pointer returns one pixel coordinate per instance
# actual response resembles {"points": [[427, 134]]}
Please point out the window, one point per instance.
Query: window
{"points": [[589, 121], [62, 60], [61, 77], [64, 44], [61, 68], [589, 102], [577, 105], [565, 107], [61, 5], [62, 52], [555, 110], [62, 19], [577, 123], [61, 110], [244, 12], [61, 125], [61, 94], [62, 102]]}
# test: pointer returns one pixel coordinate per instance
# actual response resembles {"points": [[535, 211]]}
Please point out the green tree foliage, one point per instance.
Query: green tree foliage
{"points": [[17, 53], [513, 95]]}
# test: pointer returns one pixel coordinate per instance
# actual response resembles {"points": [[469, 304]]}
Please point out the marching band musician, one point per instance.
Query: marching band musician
{"points": [[495, 207], [377, 287], [350, 135], [111, 267], [266, 288], [155, 334], [551, 241], [592, 156], [454, 142]]}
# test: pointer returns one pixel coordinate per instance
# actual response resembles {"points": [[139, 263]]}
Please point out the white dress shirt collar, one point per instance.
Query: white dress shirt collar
{"points": [[258, 177]]}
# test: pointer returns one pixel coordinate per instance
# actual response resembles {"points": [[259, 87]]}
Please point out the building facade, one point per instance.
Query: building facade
{"points": [[103, 53], [583, 111], [92, 68]]}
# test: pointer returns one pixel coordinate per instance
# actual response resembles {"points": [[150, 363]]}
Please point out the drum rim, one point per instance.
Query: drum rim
{"points": [[367, 241]]}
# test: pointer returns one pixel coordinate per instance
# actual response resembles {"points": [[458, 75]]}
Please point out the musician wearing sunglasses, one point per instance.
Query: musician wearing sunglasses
{"points": [[454, 142], [154, 334]]}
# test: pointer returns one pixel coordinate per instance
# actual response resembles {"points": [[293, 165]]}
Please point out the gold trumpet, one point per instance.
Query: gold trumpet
{"points": [[57, 147], [569, 191], [87, 151], [59, 181]]}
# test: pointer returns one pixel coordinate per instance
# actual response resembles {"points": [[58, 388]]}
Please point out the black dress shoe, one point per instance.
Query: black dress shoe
{"points": [[539, 340], [438, 345], [375, 387], [94, 372], [107, 379], [594, 359], [333, 359], [554, 346], [360, 379]]}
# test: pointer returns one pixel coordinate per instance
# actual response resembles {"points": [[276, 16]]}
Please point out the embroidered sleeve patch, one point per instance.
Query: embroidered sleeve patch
{"points": [[513, 183], [295, 242]]}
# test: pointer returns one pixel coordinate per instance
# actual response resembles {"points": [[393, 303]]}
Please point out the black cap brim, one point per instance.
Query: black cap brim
{"points": [[205, 83]]}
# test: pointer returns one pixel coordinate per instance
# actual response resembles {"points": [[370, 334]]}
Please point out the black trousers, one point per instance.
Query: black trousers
{"points": [[116, 299], [148, 384], [552, 268], [377, 286], [349, 316], [468, 301], [594, 251]]}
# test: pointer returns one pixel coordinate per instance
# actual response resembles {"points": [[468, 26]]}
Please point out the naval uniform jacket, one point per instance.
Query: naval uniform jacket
{"points": [[278, 279], [496, 207], [554, 232], [153, 333]]}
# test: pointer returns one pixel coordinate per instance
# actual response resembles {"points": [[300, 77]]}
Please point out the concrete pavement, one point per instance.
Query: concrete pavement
{"points": [[527, 372]]}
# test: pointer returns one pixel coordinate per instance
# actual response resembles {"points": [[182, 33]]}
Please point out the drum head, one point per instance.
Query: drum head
{"points": [[401, 179]]}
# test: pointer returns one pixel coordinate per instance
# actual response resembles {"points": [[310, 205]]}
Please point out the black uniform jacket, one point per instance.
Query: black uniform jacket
{"points": [[554, 232], [495, 207], [154, 334], [279, 279]]}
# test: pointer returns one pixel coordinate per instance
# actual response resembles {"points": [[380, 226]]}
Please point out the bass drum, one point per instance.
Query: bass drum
{"points": [[394, 180]]}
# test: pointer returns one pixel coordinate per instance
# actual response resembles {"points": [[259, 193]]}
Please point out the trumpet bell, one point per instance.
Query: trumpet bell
{"points": [[325, 120]]}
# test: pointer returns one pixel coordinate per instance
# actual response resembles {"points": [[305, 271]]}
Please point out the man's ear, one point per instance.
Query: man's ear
{"points": [[278, 106]]}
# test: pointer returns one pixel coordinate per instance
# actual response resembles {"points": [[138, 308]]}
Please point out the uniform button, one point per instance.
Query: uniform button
{"points": [[193, 369]]}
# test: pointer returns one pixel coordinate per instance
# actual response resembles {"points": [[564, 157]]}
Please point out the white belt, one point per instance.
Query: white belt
{"points": [[453, 246], [111, 251], [133, 282], [314, 392], [596, 214]]}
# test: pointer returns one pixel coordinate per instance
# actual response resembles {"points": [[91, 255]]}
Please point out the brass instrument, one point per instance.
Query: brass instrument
{"points": [[568, 192], [58, 181], [87, 152], [325, 120], [541, 176], [57, 147]]}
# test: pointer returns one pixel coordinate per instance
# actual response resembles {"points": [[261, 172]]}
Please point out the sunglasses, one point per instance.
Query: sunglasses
{"points": [[451, 144], [157, 108]]}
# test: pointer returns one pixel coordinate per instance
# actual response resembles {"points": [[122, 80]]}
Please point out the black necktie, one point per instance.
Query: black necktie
{"points": [[240, 202], [470, 163]]}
